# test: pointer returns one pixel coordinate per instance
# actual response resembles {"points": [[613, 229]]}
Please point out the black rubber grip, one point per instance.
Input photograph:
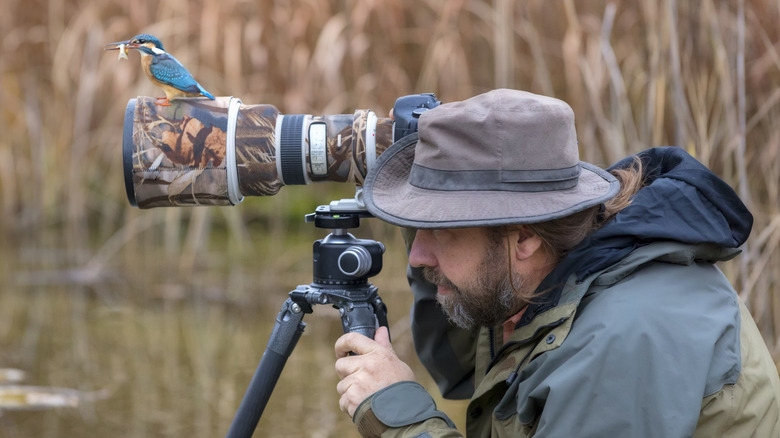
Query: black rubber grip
{"points": [[290, 150]]}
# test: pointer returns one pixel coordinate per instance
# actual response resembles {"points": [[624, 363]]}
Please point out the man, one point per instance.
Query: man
{"points": [[580, 302]]}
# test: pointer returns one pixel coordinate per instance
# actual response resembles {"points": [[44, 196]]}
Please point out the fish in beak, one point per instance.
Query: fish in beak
{"points": [[122, 46]]}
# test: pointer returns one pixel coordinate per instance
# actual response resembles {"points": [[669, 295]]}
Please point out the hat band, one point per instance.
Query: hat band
{"points": [[498, 180]]}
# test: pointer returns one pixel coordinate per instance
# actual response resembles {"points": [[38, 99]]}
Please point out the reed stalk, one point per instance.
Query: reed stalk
{"points": [[702, 75]]}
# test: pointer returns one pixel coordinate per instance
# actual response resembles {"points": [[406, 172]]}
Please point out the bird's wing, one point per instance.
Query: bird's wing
{"points": [[168, 70]]}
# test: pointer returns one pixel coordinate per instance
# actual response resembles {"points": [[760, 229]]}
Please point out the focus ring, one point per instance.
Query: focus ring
{"points": [[291, 150]]}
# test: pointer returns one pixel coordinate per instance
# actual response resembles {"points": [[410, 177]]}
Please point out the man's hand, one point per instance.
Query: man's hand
{"points": [[373, 367]]}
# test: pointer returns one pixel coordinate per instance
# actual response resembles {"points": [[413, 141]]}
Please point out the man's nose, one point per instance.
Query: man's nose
{"points": [[421, 253]]}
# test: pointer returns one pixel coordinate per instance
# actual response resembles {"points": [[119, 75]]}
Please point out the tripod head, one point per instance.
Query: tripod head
{"points": [[341, 267]]}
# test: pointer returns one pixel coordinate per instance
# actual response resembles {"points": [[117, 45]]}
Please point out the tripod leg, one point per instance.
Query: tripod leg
{"points": [[286, 332]]}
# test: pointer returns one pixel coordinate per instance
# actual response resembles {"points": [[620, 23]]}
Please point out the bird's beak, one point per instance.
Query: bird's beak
{"points": [[117, 45], [122, 46]]}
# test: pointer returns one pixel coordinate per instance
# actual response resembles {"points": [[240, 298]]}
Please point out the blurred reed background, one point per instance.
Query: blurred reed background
{"points": [[157, 319]]}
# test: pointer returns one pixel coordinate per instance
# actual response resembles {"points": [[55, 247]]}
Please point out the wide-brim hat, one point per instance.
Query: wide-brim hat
{"points": [[499, 158]]}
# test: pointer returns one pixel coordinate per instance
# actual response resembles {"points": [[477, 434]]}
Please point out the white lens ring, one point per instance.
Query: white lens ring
{"points": [[371, 121], [234, 192]]}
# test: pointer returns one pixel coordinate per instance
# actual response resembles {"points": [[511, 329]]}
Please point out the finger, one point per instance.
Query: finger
{"points": [[382, 337], [351, 397], [347, 404], [347, 365], [343, 404], [346, 392], [344, 384], [354, 342]]}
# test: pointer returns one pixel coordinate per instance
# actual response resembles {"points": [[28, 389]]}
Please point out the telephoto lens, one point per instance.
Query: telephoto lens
{"points": [[215, 152]]}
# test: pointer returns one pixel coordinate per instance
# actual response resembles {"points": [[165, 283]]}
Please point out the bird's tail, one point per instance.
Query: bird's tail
{"points": [[205, 93]]}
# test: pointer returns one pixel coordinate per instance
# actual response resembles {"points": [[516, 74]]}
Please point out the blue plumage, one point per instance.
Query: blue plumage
{"points": [[169, 71]]}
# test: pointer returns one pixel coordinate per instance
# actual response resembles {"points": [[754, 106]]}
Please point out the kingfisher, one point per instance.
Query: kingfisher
{"points": [[161, 68]]}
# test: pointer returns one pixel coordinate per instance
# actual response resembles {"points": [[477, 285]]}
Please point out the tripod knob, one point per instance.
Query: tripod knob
{"points": [[355, 261]]}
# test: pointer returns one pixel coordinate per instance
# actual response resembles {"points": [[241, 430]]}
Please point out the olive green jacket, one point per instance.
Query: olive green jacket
{"points": [[657, 345]]}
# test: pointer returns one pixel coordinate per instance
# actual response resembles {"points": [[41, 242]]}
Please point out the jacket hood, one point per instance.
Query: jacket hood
{"points": [[682, 201]]}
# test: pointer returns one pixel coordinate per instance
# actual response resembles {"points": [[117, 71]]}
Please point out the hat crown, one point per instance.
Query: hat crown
{"points": [[503, 140]]}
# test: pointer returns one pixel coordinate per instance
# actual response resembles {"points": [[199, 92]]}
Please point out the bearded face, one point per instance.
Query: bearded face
{"points": [[488, 298]]}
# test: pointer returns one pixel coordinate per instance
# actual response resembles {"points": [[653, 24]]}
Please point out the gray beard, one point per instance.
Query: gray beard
{"points": [[490, 300], [468, 313]]}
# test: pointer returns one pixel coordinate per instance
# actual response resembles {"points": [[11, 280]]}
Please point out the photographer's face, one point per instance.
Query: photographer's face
{"points": [[471, 271]]}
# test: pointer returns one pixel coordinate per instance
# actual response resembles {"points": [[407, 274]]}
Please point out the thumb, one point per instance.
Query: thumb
{"points": [[382, 337]]}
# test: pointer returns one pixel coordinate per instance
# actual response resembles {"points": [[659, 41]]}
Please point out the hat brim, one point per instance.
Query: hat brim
{"points": [[389, 196]]}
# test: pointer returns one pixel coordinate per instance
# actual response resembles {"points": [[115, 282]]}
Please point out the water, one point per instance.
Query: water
{"points": [[145, 341]]}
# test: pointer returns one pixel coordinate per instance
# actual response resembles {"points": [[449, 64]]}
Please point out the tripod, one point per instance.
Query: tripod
{"points": [[342, 265]]}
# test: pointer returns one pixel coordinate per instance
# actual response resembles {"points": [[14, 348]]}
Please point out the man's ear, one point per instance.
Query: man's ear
{"points": [[526, 243]]}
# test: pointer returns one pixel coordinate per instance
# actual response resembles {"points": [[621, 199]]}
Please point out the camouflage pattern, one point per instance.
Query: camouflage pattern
{"points": [[256, 150], [178, 152], [178, 155]]}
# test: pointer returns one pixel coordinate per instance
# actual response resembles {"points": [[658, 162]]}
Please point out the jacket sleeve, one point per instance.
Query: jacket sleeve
{"points": [[448, 352], [404, 409]]}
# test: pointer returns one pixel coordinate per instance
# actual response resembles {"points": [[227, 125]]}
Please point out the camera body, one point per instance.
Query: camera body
{"points": [[407, 112]]}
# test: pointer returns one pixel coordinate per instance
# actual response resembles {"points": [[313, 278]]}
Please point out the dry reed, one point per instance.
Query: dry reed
{"points": [[699, 75]]}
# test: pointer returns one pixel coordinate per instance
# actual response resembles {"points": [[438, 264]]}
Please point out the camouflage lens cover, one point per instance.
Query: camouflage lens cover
{"points": [[178, 155]]}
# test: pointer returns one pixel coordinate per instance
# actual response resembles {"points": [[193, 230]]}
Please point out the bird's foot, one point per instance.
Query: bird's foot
{"points": [[164, 102]]}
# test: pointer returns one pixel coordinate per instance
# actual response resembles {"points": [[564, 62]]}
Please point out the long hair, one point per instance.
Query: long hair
{"points": [[560, 236]]}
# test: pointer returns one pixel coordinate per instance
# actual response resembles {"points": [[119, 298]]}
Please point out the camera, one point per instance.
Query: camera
{"points": [[204, 152]]}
